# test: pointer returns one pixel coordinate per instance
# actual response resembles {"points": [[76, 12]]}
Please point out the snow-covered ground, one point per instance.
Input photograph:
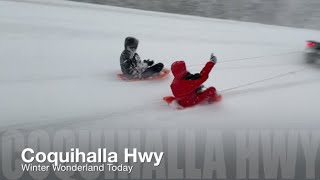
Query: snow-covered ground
{"points": [[58, 65]]}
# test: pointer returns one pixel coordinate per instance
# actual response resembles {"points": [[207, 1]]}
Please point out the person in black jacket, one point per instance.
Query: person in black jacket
{"points": [[132, 66]]}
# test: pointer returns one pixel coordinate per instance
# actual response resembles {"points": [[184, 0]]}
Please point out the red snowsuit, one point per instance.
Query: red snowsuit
{"points": [[185, 91]]}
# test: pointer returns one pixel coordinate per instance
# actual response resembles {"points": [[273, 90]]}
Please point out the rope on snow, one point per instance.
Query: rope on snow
{"points": [[264, 80]]}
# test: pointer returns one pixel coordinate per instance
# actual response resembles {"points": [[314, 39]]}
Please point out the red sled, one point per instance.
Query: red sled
{"points": [[162, 75], [171, 101]]}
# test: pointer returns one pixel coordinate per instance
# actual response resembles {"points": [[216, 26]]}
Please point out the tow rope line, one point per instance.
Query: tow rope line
{"points": [[251, 58], [264, 80]]}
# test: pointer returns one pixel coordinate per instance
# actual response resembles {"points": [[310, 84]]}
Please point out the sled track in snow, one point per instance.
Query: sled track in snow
{"points": [[51, 124]]}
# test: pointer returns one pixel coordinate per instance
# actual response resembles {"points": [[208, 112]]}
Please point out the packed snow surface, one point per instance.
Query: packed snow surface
{"points": [[59, 62]]}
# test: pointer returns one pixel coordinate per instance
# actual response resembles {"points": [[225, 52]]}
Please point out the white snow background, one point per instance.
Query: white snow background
{"points": [[59, 59]]}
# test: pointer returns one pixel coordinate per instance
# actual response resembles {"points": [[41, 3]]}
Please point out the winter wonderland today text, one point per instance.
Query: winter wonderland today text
{"points": [[100, 160], [161, 154]]}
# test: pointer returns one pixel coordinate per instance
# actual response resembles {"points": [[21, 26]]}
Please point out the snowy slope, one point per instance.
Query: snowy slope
{"points": [[59, 60]]}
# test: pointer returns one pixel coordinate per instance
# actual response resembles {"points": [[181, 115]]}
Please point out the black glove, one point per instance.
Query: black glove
{"points": [[190, 76], [196, 76], [213, 58], [149, 62]]}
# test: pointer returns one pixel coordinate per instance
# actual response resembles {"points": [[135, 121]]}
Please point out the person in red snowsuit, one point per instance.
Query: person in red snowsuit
{"points": [[187, 87]]}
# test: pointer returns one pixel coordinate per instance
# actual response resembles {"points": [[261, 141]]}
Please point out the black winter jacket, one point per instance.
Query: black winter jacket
{"points": [[131, 65]]}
